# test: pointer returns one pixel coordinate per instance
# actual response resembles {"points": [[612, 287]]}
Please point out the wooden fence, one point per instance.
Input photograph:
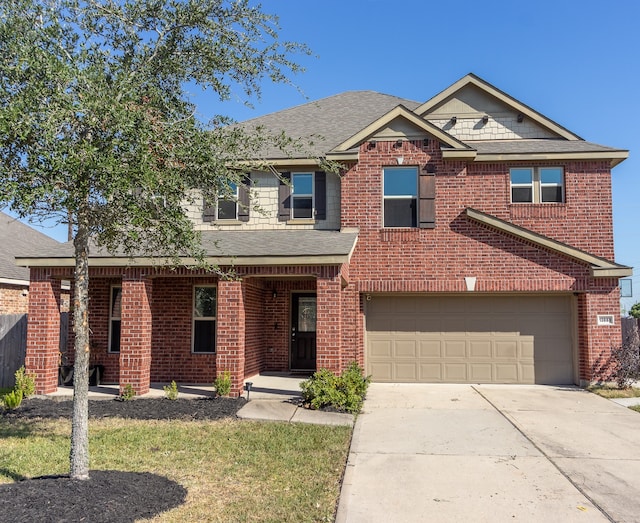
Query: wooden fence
{"points": [[13, 344]]}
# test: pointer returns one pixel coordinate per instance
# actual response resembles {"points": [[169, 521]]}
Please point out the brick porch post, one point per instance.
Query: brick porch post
{"points": [[230, 333], [135, 334], [43, 331], [329, 324]]}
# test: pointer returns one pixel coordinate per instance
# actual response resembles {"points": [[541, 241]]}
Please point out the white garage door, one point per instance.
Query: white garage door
{"points": [[470, 339]]}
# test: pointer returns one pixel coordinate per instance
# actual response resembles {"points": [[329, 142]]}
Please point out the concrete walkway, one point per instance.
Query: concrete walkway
{"points": [[491, 453], [273, 397]]}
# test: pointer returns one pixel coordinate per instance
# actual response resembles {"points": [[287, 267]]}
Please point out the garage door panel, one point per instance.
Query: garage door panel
{"points": [[504, 339], [430, 372], [406, 349], [482, 349], [430, 349], [454, 348], [481, 372]]}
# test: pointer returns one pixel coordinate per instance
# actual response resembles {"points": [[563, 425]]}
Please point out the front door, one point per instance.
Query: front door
{"points": [[303, 331]]}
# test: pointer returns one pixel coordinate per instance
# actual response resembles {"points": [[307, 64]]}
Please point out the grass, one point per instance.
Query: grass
{"points": [[233, 470], [611, 392], [635, 407]]}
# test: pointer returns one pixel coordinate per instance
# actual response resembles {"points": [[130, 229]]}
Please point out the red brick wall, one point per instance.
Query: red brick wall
{"points": [[255, 297], [14, 299], [437, 260]]}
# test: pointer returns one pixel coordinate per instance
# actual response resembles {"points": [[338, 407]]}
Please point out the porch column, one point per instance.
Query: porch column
{"points": [[43, 331], [135, 334], [329, 324], [230, 333], [595, 341]]}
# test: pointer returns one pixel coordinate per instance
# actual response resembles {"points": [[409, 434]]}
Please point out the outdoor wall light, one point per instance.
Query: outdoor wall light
{"points": [[247, 387], [485, 119], [454, 120], [274, 294], [372, 144], [520, 118], [425, 142], [398, 142]]}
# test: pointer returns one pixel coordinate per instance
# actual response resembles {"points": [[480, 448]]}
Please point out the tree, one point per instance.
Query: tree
{"points": [[635, 310], [97, 129]]}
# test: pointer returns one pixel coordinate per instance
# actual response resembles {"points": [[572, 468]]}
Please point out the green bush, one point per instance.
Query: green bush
{"points": [[12, 400], [25, 383], [171, 391], [222, 383], [345, 392], [128, 392]]}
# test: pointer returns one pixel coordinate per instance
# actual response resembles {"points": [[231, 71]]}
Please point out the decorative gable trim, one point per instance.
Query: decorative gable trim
{"points": [[401, 111], [517, 106], [600, 267]]}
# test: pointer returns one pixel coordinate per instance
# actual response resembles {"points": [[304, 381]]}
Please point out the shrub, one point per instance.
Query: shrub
{"points": [[171, 391], [222, 383], [622, 365], [25, 383], [128, 392], [12, 400], [345, 392]]}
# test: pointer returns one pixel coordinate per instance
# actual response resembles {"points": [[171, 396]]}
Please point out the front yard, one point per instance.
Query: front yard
{"points": [[231, 470]]}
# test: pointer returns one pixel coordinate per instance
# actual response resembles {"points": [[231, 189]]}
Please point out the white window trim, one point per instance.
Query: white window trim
{"points": [[537, 185], [234, 200], [111, 318], [303, 195], [203, 318], [415, 197]]}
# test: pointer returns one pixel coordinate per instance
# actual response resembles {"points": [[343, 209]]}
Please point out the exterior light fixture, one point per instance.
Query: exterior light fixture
{"points": [[425, 142], [372, 144], [454, 120], [485, 119], [247, 387], [520, 118], [398, 143], [274, 294]]}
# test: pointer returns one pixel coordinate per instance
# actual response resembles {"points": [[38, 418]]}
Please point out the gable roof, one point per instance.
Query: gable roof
{"points": [[600, 267], [327, 122], [17, 238], [472, 79], [335, 126]]}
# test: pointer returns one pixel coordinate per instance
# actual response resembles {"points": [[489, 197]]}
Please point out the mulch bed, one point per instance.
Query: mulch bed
{"points": [[108, 495]]}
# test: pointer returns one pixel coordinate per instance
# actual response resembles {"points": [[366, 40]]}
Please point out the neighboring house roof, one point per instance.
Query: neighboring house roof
{"points": [[600, 267], [16, 239], [257, 247]]}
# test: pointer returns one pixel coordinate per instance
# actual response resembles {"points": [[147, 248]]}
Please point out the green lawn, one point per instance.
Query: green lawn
{"points": [[233, 470], [610, 392]]}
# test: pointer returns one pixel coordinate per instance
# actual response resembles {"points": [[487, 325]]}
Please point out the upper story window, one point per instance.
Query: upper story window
{"points": [[227, 206], [233, 205], [537, 185], [400, 188], [302, 195]]}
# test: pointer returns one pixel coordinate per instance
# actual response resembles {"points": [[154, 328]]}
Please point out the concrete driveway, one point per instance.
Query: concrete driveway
{"points": [[491, 453]]}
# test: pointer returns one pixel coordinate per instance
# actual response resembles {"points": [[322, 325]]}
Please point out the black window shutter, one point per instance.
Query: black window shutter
{"points": [[321, 195], [284, 197], [427, 205], [209, 213], [243, 199]]}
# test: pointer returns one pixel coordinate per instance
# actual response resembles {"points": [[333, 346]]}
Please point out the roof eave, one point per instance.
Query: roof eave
{"points": [[615, 157], [599, 267]]}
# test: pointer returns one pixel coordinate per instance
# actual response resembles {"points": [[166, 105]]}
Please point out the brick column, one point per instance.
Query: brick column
{"points": [[595, 340], [329, 324], [230, 333], [43, 331], [135, 334]]}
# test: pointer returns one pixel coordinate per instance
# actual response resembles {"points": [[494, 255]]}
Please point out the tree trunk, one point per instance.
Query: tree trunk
{"points": [[79, 457]]}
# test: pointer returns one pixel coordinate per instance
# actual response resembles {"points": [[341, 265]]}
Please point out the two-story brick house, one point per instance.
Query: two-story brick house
{"points": [[468, 239]]}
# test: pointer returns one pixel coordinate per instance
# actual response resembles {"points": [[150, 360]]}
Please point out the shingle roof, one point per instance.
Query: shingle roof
{"points": [[539, 146], [243, 245], [16, 239], [329, 121]]}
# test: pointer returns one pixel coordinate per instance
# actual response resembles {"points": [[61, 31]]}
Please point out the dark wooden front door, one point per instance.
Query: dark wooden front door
{"points": [[303, 331]]}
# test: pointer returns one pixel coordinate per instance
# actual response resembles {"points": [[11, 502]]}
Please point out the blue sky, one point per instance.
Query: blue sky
{"points": [[576, 62]]}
